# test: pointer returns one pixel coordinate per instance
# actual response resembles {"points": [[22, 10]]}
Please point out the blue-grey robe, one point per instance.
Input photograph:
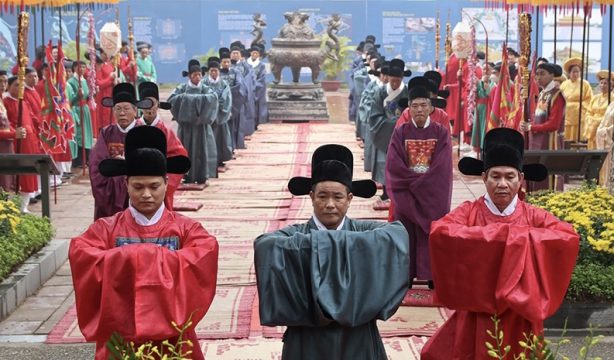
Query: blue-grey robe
{"points": [[357, 63], [247, 126], [221, 126], [362, 121], [195, 109], [262, 110], [360, 78], [329, 287], [234, 79], [382, 122]]}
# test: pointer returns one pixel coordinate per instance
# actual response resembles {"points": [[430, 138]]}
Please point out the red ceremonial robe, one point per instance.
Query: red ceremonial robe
{"points": [[174, 147], [29, 145], [105, 84], [128, 70], [419, 182], [110, 193], [450, 81], [31, 96], [517, 266], [136, 280]]}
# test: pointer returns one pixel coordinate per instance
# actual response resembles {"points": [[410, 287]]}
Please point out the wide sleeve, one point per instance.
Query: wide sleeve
{"points": [[421, 198], [315, 278], [379, 124], [105, 189], [496, 267], [225, 105], [140, 289]]}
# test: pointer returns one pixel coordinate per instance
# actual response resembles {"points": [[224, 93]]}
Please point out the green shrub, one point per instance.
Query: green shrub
{"points": [[20, 235], [592, 282]]}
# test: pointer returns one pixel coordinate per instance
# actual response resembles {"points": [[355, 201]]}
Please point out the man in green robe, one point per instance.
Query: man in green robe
{"points": [[146, 71], [221, 126], [329, 280], [194, 105], [80, 113], [384, 115], [364, 110]]}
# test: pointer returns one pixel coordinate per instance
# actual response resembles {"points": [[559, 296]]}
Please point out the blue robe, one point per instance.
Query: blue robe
{"points": [[362, 121], [262, 111], [234, 79], [382, 122], [360, 78], [221, 126], [195, 108], [331, 286], [357, 63], [247, 126]]}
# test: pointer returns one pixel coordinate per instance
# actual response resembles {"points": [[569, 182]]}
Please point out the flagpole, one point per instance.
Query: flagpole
{"points": [[22, 61], [80, 89]]}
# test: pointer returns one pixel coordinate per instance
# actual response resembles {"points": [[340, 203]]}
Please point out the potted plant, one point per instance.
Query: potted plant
{"points": [[589, 299], [333, 69]]}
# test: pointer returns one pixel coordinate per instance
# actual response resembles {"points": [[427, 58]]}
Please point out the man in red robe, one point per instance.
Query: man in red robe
{"points": [[137, 272], [110, 193], [28, 144], [32, 97], [419, 178], [547, 130], [149, 90], [498, 255], [106, 78]]}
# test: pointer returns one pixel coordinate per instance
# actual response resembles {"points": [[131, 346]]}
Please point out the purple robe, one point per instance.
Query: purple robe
{"points": [[110, 193], [419, 182]]}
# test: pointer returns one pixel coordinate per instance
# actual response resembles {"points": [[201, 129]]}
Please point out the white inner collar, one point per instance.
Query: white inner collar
{"points": [[509, 210], [321, 226], [142, 219]]}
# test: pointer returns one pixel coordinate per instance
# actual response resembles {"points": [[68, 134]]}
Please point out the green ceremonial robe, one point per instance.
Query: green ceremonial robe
{"points": [[330, 286], [480, 118], [146, 71], [72, 94], [382, 121], [360, 81], [195, 109], [221, 126], [362, 121]]}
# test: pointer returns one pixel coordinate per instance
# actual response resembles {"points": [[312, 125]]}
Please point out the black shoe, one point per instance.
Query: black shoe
{"points": [[38, 197], [431, 284], [33, 201]]}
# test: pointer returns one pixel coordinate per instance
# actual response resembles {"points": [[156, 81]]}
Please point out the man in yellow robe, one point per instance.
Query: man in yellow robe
{"points": [[597, 107], [571, 89]]}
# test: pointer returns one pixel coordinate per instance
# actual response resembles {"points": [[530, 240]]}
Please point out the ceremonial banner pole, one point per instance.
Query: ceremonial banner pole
{"points": [[579, 137], [610, 58], [131, 48], [437, 41], [573, 24], [80, 77], [556, 10], [22, 60], [524, 27], [117, 56]]}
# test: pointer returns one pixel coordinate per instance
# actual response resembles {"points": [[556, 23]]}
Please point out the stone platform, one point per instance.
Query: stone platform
{"points": [[297, 102]]}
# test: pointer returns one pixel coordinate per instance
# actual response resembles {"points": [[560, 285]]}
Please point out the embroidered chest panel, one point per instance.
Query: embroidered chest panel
{"points": [[115, 149], [419, 154], [171, 242]]}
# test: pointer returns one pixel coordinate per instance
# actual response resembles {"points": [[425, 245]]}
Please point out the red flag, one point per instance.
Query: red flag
{"points": [[57, 126], [502, 101]]}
